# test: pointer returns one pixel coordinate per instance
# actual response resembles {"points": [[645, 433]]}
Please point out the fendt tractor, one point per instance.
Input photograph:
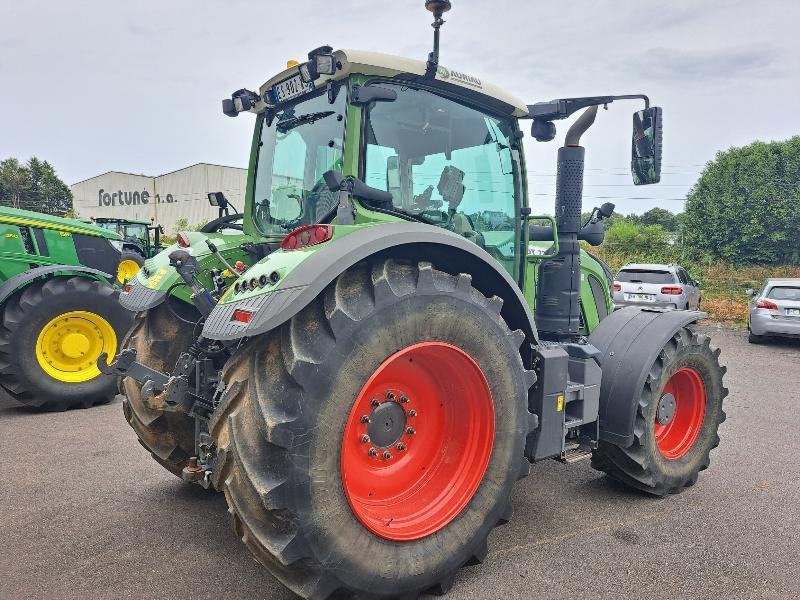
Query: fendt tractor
{"points": [[367, 390], [58, 309], [140, 240]]}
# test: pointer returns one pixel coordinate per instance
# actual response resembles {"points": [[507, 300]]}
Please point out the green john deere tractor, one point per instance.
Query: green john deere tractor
{"points": [[370, 366], [140, 240], [58, 309]]}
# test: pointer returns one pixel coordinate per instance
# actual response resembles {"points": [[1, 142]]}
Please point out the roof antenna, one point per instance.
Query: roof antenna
{"points": [[438, 8]]}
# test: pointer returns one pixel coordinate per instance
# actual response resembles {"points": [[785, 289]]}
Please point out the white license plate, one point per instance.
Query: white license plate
{"points": [[641, 297], [291, 88], [793, 312]]}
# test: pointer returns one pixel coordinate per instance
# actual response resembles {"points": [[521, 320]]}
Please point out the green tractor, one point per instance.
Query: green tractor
{"points": [[58, 309], [368, 368], [140, 240]]}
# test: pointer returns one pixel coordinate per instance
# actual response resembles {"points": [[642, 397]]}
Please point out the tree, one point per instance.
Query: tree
{"points": [[14, 180], [625, 237], [34, 186], [660, 216], [745, 208]]}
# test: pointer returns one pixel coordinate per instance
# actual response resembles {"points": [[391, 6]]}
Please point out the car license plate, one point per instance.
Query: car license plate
{"points": [[793, 312], [291, 88], [642, 297]]}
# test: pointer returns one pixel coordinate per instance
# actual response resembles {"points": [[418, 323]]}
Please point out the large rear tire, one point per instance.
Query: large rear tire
{"points": [[677, 419], [159, 338], [329, 424], [52, 333]]}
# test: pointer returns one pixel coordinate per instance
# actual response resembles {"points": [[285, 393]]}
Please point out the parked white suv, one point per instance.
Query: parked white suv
{"points": [[662, 286]]}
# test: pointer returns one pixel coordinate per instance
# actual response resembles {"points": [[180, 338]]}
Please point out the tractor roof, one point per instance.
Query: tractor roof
{"points": [[120, 221], [388, 65], [28, 218]]}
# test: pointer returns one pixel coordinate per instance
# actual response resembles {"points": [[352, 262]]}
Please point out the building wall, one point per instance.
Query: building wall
{"points": [[164, 198]]}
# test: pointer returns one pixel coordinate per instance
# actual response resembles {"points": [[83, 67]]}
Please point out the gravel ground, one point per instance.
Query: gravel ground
{"points": [[85, 513]]}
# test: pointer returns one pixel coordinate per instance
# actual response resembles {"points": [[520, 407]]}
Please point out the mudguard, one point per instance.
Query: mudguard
{"points": [[414, 241], [19, 281], [629, 341]]}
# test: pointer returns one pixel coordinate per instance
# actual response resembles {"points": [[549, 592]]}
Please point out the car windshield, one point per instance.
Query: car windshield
{"points": [[644, 276], [784, 293], [298, 144], [447, 164]]}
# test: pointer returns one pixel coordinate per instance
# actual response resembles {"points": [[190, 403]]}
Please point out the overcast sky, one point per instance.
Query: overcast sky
{"points": [[93, 86]]}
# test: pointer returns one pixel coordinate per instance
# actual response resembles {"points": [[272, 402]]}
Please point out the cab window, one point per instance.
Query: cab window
{"points": [[446, 164]]}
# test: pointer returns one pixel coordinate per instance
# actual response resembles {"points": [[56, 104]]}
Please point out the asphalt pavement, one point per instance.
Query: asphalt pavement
{"points": [[86, 513]]}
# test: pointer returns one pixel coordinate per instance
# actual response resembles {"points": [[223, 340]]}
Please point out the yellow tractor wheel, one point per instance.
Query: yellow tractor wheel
{"points": [[129, 264]]}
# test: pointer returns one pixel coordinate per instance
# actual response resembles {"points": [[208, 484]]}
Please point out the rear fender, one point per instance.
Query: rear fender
{"points": [[411, 241], [629, 341], [16, 283]]}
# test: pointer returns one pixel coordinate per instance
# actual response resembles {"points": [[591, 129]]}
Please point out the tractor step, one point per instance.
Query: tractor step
{"points": [[575, 454]]}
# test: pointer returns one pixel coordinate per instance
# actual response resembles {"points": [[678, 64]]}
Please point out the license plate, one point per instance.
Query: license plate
{"points": [[642, 297], [793, 312], [291, 88]]}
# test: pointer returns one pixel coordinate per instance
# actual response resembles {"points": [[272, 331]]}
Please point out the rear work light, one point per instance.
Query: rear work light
{"points": [[243, 316], [768, 304], [183, 240], [308, 235], [672, 290], [617, 287]]}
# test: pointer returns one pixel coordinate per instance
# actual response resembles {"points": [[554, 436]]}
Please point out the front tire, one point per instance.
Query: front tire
{"points": [[299, 473], [52, 333], [130, 262], [159, 338], [677, 419]]}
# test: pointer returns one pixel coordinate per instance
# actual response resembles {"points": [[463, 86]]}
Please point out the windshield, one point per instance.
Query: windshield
{"points": [[447, 164], [131, 232], [645, 276], [298, 144]]}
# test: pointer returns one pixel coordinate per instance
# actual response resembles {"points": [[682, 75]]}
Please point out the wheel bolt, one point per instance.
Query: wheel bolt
{"points": [[412, 413], [389, 395], [411, 431], [372, 452], [403, 399], [365, 439], [364, 418], [387, 455], [401, 447], [375, 402]]}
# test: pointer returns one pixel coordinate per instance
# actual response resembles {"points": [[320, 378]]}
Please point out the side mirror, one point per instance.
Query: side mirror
{"points": [[646, 146], [750, 292]]}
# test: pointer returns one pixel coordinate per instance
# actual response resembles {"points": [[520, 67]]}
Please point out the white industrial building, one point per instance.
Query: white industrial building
{"points": [[163, 198]]}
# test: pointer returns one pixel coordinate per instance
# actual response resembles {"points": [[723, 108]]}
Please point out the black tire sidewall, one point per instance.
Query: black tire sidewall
{"points": [[339, 540], [40, 384]]}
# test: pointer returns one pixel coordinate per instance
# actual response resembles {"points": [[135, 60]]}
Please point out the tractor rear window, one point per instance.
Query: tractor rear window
{"points": [[784, 293], [645, 276]]}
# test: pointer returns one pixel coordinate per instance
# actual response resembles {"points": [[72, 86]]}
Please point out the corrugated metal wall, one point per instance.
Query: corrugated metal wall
{"points": [[165, 198]]}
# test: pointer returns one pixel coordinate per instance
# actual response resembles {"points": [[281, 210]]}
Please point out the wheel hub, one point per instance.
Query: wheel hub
{"points": [[387, 424], [75, 345], [666, 409]]}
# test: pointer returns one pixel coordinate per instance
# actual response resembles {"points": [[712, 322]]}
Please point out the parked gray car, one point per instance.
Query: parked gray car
{"points": [[775, 310], [663, 286]]}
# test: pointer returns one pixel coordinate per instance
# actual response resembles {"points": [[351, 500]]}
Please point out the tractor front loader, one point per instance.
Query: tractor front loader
{"points": [[59, 309], [394, 339]]}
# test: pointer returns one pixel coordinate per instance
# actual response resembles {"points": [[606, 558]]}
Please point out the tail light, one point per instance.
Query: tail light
{"points": [[768, 304], [617, 287], [672, 290], [183, 240], [243, 316], [127, 288], [308, 235]]}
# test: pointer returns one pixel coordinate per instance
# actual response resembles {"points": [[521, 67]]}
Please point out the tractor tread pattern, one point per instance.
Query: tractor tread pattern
{"points": [[632, 465], [256, 433]]}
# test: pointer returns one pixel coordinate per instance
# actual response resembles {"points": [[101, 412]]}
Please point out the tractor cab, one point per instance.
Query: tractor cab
{"points": [[141, 240]]}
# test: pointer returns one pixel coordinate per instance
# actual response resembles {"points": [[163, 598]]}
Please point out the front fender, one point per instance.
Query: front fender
{"points": [[8, 288], [318, 266], [629, 341]]}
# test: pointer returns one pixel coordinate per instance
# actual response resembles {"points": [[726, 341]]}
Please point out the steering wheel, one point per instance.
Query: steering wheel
{"points": [[226, 222]]}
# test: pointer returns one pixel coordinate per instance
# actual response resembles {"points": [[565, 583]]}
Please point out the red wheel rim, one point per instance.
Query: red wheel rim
{"points": [[675, 436], [437, 399]]}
